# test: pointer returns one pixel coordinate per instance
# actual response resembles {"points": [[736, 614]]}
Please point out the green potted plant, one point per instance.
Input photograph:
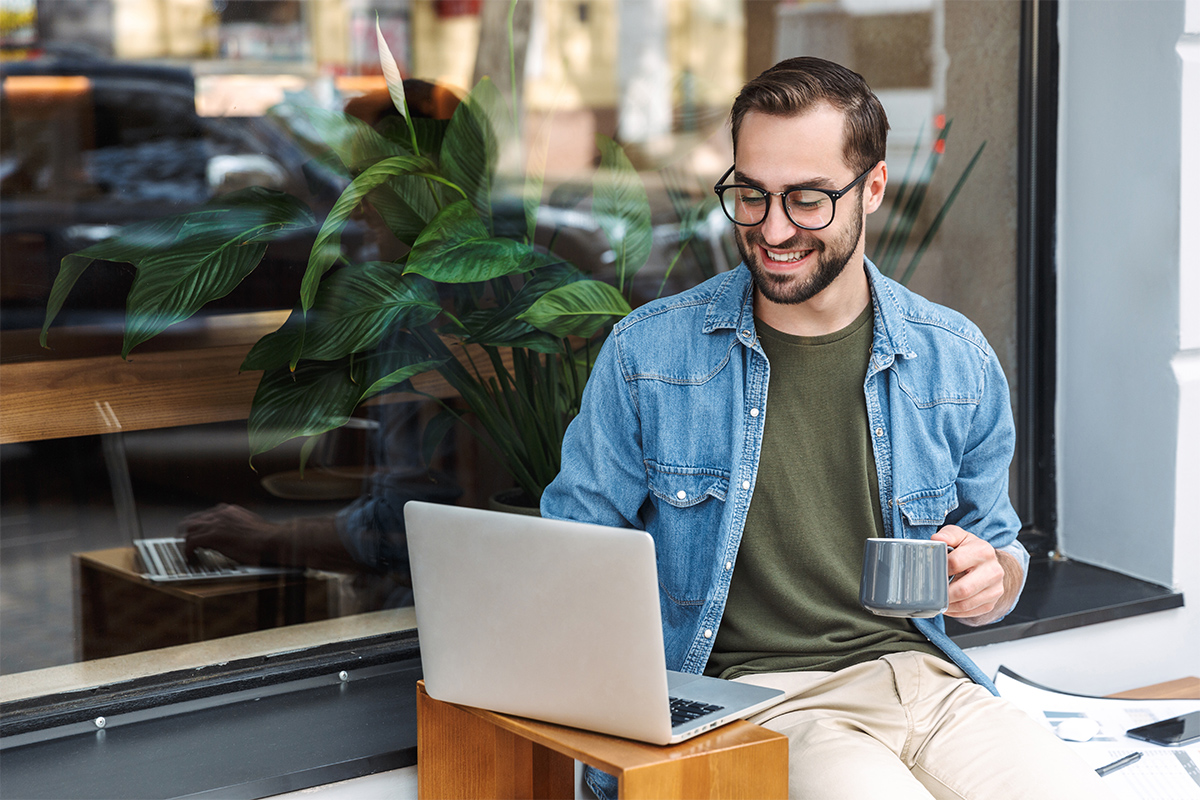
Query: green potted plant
{"points": [[511, 326]]}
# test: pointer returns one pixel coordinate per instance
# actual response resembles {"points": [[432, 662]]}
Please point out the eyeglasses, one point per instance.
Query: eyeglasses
{"points": [[811, 209]]}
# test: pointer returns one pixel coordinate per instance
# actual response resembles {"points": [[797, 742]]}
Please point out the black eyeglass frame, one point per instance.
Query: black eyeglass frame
{"points": [[833, 196]]}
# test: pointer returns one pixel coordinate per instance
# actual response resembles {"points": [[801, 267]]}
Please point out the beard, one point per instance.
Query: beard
{"points": [[832, 258]]}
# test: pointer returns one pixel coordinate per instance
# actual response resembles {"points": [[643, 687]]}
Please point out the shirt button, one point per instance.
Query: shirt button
{"points": [[745, 484], [681, 494], [754, 412], [879, 431], [707, 633], [728, 566]]}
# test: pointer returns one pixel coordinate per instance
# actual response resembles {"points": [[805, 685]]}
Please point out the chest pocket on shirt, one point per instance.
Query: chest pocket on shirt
{"points": [[928, 508], [691, 502], [684, 487]]}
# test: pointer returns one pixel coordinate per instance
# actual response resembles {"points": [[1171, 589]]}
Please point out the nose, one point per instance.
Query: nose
{"points": [[776, 228]]}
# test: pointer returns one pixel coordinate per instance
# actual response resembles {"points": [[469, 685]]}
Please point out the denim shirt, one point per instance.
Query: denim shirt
{"points": [[670, 430]]}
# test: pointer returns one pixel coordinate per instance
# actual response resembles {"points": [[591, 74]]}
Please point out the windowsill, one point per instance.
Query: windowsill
{"points": [[108, 672], [1063, 594], [252, 728]]}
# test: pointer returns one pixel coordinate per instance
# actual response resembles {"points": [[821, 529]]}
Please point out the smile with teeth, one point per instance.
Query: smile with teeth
{"points": [[788, 257]]}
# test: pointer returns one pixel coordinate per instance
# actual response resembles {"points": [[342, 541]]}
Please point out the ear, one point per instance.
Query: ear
{"points": [[873, 188]]}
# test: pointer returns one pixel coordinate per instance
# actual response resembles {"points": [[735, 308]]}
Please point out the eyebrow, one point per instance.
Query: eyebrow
{"points": [[815, 183]]}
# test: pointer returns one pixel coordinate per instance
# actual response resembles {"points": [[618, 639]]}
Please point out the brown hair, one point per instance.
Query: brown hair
{"points": [[795, 85]]}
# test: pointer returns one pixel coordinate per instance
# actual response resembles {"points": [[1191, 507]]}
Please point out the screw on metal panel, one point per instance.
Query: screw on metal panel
{"points": [[343, 676], [100, 722]]}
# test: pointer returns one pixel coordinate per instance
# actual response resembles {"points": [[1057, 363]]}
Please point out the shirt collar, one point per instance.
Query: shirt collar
{"points": [[732, 308], [891, 328]]}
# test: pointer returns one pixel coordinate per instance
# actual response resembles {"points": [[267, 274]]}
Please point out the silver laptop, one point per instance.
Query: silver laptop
{"points": [[557, 621], [162, 561]]}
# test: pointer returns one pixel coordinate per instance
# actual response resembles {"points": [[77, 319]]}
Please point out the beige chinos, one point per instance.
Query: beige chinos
{"points": [[911, 725]]}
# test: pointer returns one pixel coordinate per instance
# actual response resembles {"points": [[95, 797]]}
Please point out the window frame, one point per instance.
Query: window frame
{"points": [[1037, 278]]}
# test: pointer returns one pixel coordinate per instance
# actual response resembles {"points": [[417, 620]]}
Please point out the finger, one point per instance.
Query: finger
{"points": [[974, 605], [953, 536], [968, 556], [190, 543], [975, 592], [985, 576]]}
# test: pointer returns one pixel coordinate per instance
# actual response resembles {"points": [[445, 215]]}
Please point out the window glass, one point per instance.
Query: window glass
{"points": [[115, 120]]}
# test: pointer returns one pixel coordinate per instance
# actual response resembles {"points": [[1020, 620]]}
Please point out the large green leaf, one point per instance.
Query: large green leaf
{"points": [[406, 204], [577, 309], [171, 287], [327, 247], [430, 134], [359, 304], [354, 142], [456, 248], [189, 260], [134, 243], [277, 348], [502, 327], [321, 395], [402, 358], [470, 151], [622, 210]]}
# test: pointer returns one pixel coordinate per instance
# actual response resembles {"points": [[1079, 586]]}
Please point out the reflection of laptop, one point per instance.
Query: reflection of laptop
{"points": [[162, 561], [558, 621]]}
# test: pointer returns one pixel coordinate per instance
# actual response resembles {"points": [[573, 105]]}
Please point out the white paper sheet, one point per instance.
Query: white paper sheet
{"points": [[1163, 773]]}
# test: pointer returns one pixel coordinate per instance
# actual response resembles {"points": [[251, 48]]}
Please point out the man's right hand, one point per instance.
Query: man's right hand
{"points": [[235, 532]]}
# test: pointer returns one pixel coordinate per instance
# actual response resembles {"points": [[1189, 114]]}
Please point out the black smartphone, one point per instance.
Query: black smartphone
{"points": [[1169, 732]]}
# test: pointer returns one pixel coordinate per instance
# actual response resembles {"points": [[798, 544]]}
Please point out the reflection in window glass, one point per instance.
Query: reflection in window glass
{"points": [[160, 107]]}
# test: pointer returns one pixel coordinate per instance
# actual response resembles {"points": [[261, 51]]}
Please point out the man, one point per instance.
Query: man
{"points": [[775, 417]]}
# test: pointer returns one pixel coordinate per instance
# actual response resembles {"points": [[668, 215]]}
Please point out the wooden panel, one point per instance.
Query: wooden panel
{"points": [[81, 388], [76, 397], [456, 755]]}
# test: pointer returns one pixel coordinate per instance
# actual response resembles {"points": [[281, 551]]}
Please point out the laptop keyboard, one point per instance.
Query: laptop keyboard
{"points": [[687, 710], [164, 558]]}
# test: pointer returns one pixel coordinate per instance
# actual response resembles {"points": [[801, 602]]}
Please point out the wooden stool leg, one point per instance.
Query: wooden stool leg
{"points": [[553, 775], [456, 756], [461, 755]]}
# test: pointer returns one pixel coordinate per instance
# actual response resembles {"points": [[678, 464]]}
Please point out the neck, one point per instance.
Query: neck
{"points": [[828, 312]]}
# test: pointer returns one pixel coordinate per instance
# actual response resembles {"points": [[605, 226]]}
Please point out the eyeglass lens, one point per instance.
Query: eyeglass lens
{"points": [[807, 208]]}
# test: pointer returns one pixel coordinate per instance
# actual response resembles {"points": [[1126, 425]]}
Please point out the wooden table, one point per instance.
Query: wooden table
{"points": [[465, 752], [117, 611]]}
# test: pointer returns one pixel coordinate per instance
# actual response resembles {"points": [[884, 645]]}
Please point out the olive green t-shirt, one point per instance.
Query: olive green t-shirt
{"points": [[793, 598]]}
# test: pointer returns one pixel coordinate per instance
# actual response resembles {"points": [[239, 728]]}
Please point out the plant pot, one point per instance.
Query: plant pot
{"points": [[514, 501]]}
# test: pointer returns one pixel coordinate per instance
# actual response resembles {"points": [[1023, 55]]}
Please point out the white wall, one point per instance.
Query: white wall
{"points": [[1129, 336]]}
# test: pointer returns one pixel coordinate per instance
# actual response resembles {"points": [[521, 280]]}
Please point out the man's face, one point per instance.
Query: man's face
{"points": [[790, 264], [793, 286]]}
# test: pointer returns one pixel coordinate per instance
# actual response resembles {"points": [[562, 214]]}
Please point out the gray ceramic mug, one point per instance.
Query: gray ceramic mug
{"points": [[904, 578]]}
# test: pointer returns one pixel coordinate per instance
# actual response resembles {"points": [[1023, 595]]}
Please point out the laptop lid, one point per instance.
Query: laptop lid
{"points": [[548, 619]]}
